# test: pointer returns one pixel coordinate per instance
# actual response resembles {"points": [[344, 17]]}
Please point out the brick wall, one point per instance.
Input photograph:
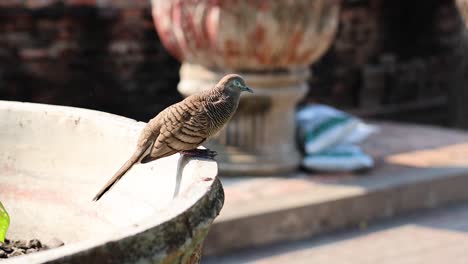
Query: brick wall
{"points": [[105, 54], [96, 54], [393, 59]]}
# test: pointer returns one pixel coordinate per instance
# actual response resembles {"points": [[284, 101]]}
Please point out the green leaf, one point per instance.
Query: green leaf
{"points": [[4, 222]]}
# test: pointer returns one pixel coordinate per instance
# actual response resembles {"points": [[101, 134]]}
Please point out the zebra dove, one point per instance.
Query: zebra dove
{"points": [[182, 127]]}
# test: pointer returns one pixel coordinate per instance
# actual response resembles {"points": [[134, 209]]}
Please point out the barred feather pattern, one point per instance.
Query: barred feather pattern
{"points": [[220, 111], [186, 125]]}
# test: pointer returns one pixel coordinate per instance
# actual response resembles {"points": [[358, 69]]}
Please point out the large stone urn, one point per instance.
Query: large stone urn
{"points": [[463, 8], [458, 92], [271, 43]]}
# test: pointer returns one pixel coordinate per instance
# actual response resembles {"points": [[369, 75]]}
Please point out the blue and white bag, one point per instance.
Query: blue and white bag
{"points": [[328, 137]]}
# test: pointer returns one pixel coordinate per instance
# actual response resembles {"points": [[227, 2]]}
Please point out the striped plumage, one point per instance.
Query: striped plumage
{"points": [[185, 125]]}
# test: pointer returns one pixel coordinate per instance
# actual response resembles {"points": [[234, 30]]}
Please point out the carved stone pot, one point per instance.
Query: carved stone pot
{"points": [[463, 8], [458, 92], [270, 43]]}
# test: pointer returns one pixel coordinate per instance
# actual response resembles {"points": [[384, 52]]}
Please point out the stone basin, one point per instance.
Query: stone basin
{"points": [[53, 159]]}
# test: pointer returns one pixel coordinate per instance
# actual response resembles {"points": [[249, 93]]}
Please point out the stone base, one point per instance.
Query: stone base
{"points": [[260, 139]]}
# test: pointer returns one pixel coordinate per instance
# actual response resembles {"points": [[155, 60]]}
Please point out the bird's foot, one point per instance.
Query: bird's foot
{"points": [[206, 153]]}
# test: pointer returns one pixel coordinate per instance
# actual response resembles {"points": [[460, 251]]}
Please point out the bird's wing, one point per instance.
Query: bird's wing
{"points": [[184, 126]]}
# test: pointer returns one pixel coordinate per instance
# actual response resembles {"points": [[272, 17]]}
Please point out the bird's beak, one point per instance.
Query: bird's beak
{"points": [[248, 89]]}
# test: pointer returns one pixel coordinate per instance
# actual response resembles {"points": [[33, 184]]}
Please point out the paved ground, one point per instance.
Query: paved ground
{"points": [[436, 236], [416, 167]]}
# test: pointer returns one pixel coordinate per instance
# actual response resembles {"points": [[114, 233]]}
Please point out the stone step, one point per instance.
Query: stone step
{"points": [[437, 236], [417, 167]]}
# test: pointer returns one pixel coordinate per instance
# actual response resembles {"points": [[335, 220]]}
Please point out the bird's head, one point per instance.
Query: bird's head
{"points": [[234, 83]]}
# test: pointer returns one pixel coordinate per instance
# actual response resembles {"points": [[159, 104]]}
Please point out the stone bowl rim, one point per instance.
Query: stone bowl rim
{"points": [[205, 193]]}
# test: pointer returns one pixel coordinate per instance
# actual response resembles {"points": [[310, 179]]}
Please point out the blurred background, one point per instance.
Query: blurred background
{"points": [[400, 65], [390, 59]]}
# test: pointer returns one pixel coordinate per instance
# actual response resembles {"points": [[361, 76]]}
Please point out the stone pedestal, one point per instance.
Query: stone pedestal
{"points": [[260, 139]]}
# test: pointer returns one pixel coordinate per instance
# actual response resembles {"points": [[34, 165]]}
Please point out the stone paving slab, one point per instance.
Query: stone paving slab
{"points": [[437, 236], [417, 167]]}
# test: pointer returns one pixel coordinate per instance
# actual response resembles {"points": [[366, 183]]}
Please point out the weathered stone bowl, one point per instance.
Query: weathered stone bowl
{"points": [[53, 159]]}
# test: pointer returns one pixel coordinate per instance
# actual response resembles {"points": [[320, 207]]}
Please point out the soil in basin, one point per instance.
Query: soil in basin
{"points": [[13, 248]]}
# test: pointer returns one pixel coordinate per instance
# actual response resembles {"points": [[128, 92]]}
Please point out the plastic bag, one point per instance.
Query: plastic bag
{"points": [[339, 158], [328, 137]]}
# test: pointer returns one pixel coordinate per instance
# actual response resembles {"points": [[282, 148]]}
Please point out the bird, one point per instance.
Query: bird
{"points": [[183, 126]]}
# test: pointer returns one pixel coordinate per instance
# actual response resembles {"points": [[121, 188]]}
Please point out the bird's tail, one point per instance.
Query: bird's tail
{"points": [[121, 172]]}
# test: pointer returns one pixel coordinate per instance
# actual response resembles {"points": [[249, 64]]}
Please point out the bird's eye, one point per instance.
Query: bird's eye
{"points": [[236, 83]]}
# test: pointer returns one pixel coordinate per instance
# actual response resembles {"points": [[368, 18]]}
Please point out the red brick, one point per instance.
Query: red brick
{"points": [[11, 3], [81, 2], [39, 3], [33, 54]]}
